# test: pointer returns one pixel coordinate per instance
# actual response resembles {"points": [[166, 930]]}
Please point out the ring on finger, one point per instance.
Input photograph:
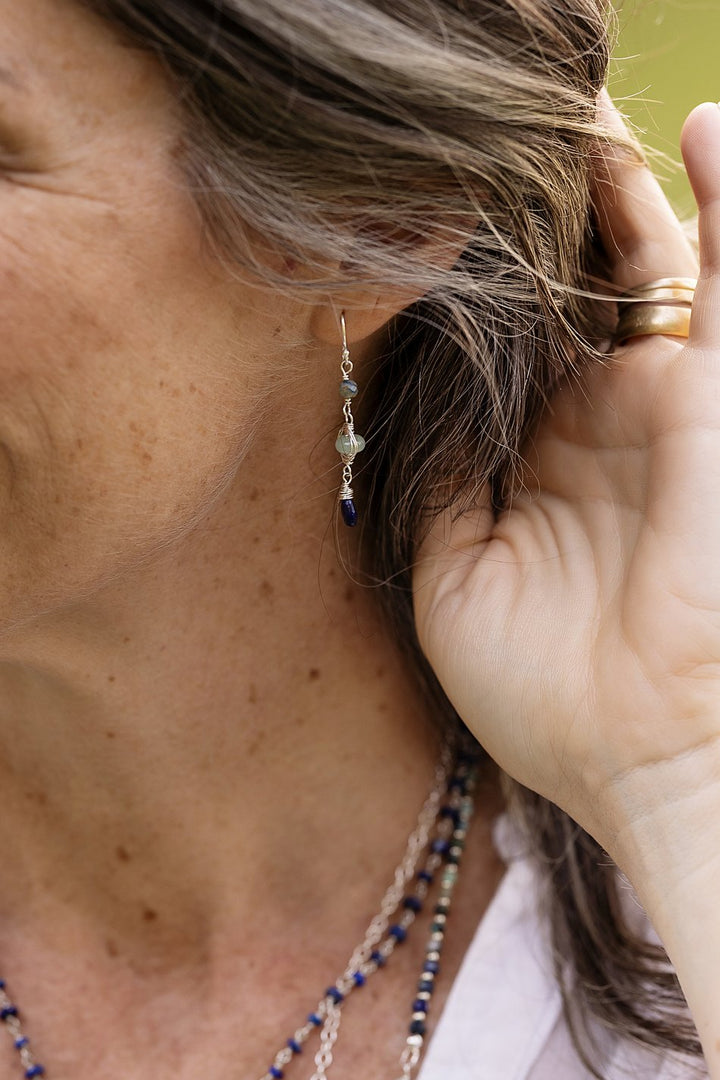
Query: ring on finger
{"points": [[663, 306], [682, 284], [667, 295]]}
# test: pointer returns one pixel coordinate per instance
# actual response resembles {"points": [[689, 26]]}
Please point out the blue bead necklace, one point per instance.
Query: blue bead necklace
{"points": [[11, 1019], [437, 842]]}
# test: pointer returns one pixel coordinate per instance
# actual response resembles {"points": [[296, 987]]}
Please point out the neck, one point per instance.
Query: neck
{"points": [[230, 722]]}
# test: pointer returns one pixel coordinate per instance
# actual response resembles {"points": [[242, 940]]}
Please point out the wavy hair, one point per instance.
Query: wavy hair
{"points": [[315, 124]]}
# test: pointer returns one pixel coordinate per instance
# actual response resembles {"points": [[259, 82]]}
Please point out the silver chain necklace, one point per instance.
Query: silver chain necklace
{"points": [[447, 811]]}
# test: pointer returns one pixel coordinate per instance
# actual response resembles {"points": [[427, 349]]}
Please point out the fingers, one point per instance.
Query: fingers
{"points": [[639, 229], [700, 144]]}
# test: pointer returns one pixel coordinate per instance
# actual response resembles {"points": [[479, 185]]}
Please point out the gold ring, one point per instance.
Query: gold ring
{"points": [[640, 319], [663, 306], [664, 295], [684, 284]]}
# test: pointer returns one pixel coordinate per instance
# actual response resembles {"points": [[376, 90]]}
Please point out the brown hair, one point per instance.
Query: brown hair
{"points": [[315, 123]]}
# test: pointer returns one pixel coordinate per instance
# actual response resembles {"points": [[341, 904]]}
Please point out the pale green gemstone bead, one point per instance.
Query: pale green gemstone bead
{"points": [[344, 445]]}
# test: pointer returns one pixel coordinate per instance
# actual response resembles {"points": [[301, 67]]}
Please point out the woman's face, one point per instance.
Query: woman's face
{"points": [[130, 362]]}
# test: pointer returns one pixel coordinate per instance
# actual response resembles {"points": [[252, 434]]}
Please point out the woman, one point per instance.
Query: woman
{"points": [[214, 742]]}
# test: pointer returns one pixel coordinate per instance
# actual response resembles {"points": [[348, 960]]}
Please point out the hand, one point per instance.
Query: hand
{"points": [[579, 634]]}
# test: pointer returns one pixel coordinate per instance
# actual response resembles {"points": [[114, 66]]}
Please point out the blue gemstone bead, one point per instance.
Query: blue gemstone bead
{"points": [[425, 875], [378, 957], [432, 966], [450, 812], [359, 978], [34, 1070], [412, 903], [333, 993], [8, 1010], [348, 388], [2, 984], [349, 513], [398, 932], [417, 1027], [315, 1020], [440, 847], [22, 1041], [294, 1046], [277, 1073], [420, 1006], [426, 986]]}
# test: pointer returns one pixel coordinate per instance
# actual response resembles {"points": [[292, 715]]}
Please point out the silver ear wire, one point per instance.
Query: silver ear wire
{"points": [[347, 444]]}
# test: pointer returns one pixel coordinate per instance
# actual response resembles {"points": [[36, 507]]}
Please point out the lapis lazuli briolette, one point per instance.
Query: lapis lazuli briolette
{"points": [[348, 511]]}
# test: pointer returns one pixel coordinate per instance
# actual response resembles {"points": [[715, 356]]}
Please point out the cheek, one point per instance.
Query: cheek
{"points": [[124, 401]]}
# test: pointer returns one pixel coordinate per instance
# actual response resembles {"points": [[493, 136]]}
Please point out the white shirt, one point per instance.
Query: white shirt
{"points": [[503, 1018]]}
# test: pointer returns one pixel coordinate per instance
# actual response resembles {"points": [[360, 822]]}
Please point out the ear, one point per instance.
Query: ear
{"points": [[367, 310]]}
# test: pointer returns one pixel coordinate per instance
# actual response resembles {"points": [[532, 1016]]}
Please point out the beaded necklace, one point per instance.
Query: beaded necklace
{"points": [[436, 845]]}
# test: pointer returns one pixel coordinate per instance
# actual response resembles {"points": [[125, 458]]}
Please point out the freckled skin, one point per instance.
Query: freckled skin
{"points": [[38, 797], [114, 432], [255, 744], [165, 520]]}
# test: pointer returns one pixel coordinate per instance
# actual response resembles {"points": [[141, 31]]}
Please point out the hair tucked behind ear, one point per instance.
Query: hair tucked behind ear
{"points": [[316, 124]]}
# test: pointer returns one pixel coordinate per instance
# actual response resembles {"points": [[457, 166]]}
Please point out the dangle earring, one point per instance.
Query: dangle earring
{"points": [[347, 444]]}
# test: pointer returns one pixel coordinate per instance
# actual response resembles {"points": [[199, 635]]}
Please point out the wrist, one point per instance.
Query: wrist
{"points": [[663, 826]]}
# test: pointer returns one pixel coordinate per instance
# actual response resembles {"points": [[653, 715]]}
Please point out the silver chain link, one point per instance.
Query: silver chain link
{"points": [[329, 1011]]}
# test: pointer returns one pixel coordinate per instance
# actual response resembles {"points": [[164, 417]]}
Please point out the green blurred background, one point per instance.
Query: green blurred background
{"points": [[667, 61]]}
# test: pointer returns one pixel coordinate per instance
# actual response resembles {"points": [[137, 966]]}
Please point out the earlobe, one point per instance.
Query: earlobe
{"points": [[367, 310], [365, 314]]}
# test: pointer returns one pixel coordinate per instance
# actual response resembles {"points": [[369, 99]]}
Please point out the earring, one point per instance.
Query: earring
{"points": [[347, 444]]}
